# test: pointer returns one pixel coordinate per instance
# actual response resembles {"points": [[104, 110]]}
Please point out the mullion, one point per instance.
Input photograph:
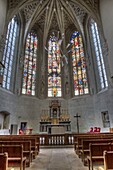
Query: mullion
{"points": [[80, 42], [9, 68], [28, 39], [76, 55], [95, 45], [78, 67], [52, 65], [98, 42], [56, 69], [5, 56], [28, 64], [32, 66]]}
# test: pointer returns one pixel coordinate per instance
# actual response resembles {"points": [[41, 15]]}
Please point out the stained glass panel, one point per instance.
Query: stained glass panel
{"points": [[79, 65], [29, 73], [54, 68]]}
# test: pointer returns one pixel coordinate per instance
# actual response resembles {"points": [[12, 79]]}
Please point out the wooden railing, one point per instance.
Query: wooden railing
{"points": [[56, 139]]}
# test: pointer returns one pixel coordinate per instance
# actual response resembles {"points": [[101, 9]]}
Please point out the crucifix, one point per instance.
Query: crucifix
{"points": [[77, 118]]}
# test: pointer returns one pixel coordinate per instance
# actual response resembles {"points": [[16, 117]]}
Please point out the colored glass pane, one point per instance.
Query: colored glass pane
{"points": [[79, 65], [29, 73], [54, 68]]}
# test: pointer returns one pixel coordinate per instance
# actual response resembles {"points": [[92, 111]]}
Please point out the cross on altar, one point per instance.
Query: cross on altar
{"points": [[77, 118]]}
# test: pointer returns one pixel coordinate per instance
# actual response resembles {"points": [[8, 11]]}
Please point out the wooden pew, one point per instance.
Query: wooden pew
{"points": [[15, 155], [96, 153], [108, 160], [85, 147], [4, 161], [26, 148], [22, 138], [81, 138]]}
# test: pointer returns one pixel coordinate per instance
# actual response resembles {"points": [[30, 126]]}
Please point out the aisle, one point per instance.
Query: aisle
{"points": [[57, 159]]}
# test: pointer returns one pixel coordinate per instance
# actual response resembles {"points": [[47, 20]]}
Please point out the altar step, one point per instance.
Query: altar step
{"points": [[57, 146]]}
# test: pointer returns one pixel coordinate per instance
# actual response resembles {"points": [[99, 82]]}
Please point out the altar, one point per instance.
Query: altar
{"points": [[58, 129], [55, 120]]}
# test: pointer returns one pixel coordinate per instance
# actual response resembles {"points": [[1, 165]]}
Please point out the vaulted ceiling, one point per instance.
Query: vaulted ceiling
{"points": [[53, 15]]}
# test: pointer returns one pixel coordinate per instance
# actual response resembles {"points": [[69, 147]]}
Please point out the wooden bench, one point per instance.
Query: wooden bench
{"points": [[15, 155], [85, 147], [95, 137], [4, 161], [23, 138], [108, 160], [27, 152], [96, 153]]}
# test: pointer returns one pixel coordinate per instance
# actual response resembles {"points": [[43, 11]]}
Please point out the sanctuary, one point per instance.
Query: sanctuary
{"points": [[55, 120]]}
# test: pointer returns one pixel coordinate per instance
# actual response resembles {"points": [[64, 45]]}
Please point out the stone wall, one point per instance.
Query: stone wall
{"points": [[28, 109], [3, 9], [107, 21]]}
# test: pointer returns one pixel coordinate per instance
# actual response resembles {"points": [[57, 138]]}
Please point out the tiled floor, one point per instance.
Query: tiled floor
{"points": [[57, 159]]}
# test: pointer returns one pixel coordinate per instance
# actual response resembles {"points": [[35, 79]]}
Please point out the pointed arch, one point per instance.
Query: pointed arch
{"points": [[29, 71], [98, 53], [10, 51], [54, 68], [79, 65]]}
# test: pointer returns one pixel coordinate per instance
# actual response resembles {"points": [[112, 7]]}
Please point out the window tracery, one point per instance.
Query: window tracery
{"points": [[79, 65], [29, 73], [54, 68], [9, 51], [99, 54]]}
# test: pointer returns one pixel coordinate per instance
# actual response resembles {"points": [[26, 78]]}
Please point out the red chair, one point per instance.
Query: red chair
{"points": [[95, 129], [91, 129], [98, 129]]}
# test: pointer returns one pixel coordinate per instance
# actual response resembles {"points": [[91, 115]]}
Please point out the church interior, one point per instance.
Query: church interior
{"points": [[56, 74]]}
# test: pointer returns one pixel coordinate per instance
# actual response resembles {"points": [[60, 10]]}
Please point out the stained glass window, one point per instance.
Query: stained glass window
{"points": [[99, 55], [9, 51], [79, 65], [54, 68], [29, 72]]}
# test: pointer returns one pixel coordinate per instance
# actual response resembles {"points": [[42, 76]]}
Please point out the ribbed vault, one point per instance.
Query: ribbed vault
{"points": [[53, 15]]}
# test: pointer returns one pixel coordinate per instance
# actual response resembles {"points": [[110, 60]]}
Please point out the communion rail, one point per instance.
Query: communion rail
{"points": [[56, 139]]}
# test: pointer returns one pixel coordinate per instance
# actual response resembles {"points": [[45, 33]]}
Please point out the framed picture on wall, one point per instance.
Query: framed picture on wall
{"points": [[105, 119]]}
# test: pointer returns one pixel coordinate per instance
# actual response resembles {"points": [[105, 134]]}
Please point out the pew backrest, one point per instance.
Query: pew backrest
{"points": [[108, 160], [4, 161]]}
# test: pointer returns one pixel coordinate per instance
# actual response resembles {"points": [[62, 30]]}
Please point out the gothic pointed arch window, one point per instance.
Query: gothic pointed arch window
{"points": [[79, 65], [9, 51], [54, 67], [29, 71], [98, 54]]}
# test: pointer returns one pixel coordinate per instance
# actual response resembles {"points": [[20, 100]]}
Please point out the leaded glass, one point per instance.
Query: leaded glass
{"points": [[79, 65], [9, 50], [29, 73], [54, 68], [99, 55]]}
